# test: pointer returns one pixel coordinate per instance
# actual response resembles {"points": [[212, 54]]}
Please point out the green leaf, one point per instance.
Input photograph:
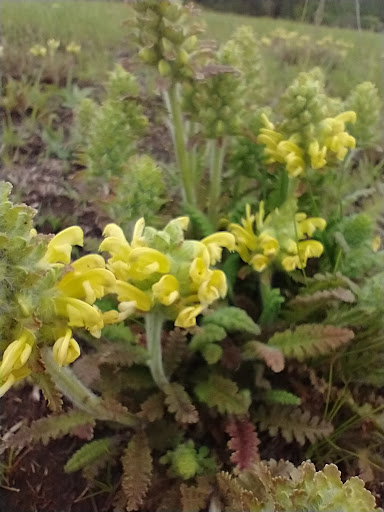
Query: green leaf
{"points": [[224, 394], [206, 335], [232, 319], [87, 454], [280, 396]]}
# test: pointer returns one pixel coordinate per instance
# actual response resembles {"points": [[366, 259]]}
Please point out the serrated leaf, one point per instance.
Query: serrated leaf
{"points": [[273, 357], [292, 423], [232, 319], [174, 350], [205, 335], [87, 454], [195, 497], [52, 395], [179, 403], [280, 396], [137, 471], [223, 394], [243, 443], [324, 296], [153, 408], [310, 340]]}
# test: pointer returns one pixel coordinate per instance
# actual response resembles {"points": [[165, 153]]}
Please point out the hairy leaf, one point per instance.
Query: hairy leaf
{"points": [[224, 394], [200, 222], [137, 471], [50, 392], [179, 403], [243, 443], [174, 350], [310, 340], [232, 319]]}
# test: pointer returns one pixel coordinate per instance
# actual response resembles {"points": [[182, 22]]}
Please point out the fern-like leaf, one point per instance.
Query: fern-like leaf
{"points": [[224, 394], [52, 427], [50, 392], [310, 340], [153, 408], [195, 497], [206, 335], [137, 471], [232, 319], [174, 350], [280, 396], [243, 443], [88, 454], [272, 301], [273, 357], [293, 423], [179, 403]]}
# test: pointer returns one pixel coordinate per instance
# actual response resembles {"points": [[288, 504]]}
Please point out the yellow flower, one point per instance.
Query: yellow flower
{"points": [[293, 157], [309, 249], [376, 243], [166, 290], [13, 377], [38, 50], [215, 244], [198, 271], [52, 45], [66, 349], [73, 48], [89, 285], [137, 236], [60, 247], [128, 292], [269, 245], [310, 225], [259, 262], [80, 314], [126, 309], [144, 261], [187, 316], [213, 288], [289, 263], [17, 353], [317, 155], [88, 262]]}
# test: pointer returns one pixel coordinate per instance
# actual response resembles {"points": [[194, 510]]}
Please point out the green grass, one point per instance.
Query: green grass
{"points": [[98, 27]]}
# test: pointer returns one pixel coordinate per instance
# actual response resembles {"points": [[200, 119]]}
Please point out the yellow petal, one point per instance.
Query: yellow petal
{"points": [[144, 261], [88, 262], [216, 242], [128, 292], [17, 353], [137, 240], [198, 271], [259, 262], [60, 247], [66, 349], [166, 290], [187, 316], [90, 285], [289, 263], [376, 243], [80, 314], [115, 231], [213, 288]]}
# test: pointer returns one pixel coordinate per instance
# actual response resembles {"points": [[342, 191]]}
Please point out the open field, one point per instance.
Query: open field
{"points": [[98, 27]]}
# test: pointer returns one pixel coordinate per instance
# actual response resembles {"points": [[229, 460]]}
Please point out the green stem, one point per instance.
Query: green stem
{"points": [[82, 397], [153, 329], [179, 141], [216, 168]]}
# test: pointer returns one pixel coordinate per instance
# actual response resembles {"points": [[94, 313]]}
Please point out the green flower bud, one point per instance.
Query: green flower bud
{"points": [[164, 68]]}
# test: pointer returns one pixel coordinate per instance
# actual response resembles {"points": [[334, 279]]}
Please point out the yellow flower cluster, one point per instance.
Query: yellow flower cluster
{"points": [[332, 143], [52, 46], [279, 238], [163, 271], [73, 297]]}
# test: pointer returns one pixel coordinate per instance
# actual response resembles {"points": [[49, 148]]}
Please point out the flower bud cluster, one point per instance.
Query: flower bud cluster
{"points": [[42, 296], [160, 270], [283, 238], [308, 136], [365, 101], [166, 34], [242, 52], [51, 47], [216, 101]]}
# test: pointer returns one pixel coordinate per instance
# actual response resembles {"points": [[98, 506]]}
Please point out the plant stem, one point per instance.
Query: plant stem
{"points": [[179, 142], [216, 167], [153, 329], [67, 382], [82, 397]]}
